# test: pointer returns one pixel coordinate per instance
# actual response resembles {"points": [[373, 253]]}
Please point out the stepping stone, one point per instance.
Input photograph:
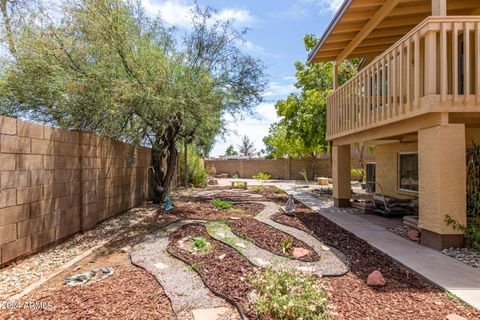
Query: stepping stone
{"points": [[300, 252], [211, 314]]}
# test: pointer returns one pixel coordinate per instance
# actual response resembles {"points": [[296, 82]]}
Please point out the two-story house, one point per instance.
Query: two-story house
{"points": [[416, 98]]}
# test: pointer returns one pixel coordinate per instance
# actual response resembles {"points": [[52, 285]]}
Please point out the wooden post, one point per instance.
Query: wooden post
{"points": [[431, 63], [439, 7], [335, 75]]}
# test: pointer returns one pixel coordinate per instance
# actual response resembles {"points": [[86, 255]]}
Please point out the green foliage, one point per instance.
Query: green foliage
{"points": [[234, 176], [231, 151], [289, 295], [301, 131], [221, 204], [472, 229], [200, 243], [258, 189], [451, 296], [287, 245], [197, 174], [277, 190], [247, 148], [261, 176], [304, 175], [106, 67], [195, 267], [359, 174]]}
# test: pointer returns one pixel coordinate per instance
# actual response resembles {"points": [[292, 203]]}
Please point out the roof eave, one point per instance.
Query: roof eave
{"points": [[329, 29]]}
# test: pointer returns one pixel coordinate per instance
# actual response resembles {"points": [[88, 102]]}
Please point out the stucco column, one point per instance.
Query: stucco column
{"points": [[341, 175], [442, 184]]}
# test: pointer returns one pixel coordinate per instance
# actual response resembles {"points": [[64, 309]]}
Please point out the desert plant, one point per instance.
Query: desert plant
{"points": [[287, 245], [289, 295], [277, 190], [197, 174], [199, 243], [258, 189], [304, 175], [358, 174], [262, 176], [221, 204]]}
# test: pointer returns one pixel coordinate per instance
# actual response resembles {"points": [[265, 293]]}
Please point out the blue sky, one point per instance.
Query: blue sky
{"points": [[276, 30]]}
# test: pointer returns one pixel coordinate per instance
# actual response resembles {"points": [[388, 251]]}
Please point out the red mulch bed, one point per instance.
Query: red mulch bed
{"points": [[228, 276], [194, 208], [128, 294], [406, 296], [269, 238]]}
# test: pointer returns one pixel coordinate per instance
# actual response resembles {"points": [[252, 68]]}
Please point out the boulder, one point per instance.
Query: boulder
{"points": [[376, 279], [300, 252]]}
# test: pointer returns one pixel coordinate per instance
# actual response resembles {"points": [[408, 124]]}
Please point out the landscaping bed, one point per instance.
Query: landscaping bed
{"points": [[270, 239], [221, 267], [201, 209], [128, 294], [406, 295]]}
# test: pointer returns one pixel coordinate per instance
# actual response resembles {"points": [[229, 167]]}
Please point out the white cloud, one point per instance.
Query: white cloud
{"points": [[276, 89], [178, 13], [305, 8], [256, 128]]}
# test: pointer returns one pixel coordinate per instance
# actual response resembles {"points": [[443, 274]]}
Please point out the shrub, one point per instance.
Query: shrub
{"points": [[222, 205], [358, 174], [234, 176], [277, 190], [287, 245], [197, 174], [211, 170], [289, 295], [200, 243], [262, 176], [258, 189]]}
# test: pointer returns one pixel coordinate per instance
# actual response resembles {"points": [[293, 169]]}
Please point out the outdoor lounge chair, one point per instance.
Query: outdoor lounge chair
{"points": [[389, 206]]}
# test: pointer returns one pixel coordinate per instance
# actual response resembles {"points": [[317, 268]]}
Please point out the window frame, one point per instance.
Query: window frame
{"points": [[399, 173]]}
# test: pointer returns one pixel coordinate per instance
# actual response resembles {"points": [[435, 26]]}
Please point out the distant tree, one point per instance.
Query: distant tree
{"points": [[301, 131], [247, 148], [231, 151]]}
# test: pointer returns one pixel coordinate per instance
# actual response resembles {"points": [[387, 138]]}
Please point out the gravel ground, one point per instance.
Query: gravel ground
{"points": [[23, 272], [222, 268], [405, 297], [128, 294], [181, 283], [467, 256]]}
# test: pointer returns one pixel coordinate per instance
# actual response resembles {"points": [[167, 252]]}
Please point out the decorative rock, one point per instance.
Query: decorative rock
{"points": [[454, 316], [211, 314], [212, 182], [221, 257], [289, 208], [413, 235], [234, 218], [300, 252], [160, 266], [376, 279], [124, 250]]}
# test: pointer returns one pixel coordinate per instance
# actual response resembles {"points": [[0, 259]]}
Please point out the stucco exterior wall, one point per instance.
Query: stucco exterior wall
{"points": [[387, 168]]}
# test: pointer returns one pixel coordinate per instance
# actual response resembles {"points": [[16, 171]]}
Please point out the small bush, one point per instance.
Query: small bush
{"points": [[257, 189], [289, 295], [197, 174], [222, 205], [211, 170], [262, 176], [234, 176], [277, 190], [287, 245], [200, 243]]}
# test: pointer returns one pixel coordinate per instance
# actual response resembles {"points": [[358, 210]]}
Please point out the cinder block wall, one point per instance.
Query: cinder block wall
{"points": [[56, 182], [278, 168]]}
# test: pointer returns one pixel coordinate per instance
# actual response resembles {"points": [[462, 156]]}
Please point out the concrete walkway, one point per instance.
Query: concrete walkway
{"points": [[443, 271]]}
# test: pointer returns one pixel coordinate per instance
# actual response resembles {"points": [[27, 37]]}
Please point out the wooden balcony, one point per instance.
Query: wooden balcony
{"points": [[433, 68]]}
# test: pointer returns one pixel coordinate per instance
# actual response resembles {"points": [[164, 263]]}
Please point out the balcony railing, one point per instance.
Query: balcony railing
{"points": [[434, 68]]}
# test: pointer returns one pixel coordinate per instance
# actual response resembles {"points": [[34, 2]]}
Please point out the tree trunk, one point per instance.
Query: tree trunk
{"points": [[171, 166], [185, 164]]}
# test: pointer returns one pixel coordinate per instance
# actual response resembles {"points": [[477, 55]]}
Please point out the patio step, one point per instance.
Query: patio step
{"points": [[411, 221]]}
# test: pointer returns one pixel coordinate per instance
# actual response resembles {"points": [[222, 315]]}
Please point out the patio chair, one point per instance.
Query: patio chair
{"points": [[389, 206]]}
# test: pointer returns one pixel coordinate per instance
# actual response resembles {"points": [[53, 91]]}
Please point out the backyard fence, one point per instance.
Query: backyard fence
{"points": [[56, 182], [285, 169]]}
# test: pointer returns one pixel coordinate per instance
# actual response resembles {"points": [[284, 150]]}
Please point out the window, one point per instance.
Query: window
{"points": [[408, 171]]}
